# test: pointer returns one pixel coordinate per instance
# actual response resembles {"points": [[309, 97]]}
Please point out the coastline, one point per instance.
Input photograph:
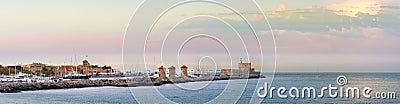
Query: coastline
{"points": [[134, 82]]}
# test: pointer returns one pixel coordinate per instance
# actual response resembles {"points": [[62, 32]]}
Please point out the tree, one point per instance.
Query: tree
{"points": [[6, 71]]}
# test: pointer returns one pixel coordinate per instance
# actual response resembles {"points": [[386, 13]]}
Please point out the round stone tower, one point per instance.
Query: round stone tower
{"points": [[161, 72], [172, 73], [86, 65], [184, 70]]}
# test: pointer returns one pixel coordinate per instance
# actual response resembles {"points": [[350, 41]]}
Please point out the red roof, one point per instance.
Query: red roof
{"points": [[161, 67], [70, 67], [184, 66]]}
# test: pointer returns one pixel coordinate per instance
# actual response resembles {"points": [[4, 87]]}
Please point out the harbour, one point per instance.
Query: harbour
{"points": [[26, 82], [122, 95]]}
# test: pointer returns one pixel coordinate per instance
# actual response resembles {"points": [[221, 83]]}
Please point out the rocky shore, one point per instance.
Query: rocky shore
{"points": [[17, 87]]}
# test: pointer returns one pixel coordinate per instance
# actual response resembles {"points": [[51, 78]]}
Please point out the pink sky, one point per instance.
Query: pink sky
{"points": [[315, 36]]}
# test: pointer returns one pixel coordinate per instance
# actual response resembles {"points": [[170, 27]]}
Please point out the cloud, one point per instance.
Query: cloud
{"points": [[277, 13], [348, 48], [256, 17], [281, 8], [276, 32], [364, 40], [353, 8], [391, 7]]}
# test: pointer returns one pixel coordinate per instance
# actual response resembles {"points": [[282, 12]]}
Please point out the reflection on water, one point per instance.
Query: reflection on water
{"points": [[377, 81]]}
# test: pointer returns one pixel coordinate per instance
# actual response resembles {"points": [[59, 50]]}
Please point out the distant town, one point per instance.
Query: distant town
{"points": [[86, 69], [45, 70], [37, 76]]}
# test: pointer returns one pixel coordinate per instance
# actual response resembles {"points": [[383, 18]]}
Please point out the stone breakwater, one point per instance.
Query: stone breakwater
{"points": [[17, 87]]}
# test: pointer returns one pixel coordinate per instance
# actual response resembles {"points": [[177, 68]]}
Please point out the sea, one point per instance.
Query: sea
{"points": [[242, 91]]}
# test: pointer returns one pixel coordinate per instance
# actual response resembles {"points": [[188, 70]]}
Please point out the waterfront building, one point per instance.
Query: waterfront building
{"points": [[172, 73], [245, 70], [245, 67], [101, 71], [36, 67], [67, 69]]}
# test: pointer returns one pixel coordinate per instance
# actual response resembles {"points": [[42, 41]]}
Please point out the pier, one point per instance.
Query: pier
{"points": [[134, 82]]}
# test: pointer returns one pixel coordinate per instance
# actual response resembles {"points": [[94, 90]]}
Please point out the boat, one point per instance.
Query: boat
{"points": [[75, 75], [21, 77], [6, 78]]}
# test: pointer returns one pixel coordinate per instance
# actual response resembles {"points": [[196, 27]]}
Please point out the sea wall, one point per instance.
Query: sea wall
{"points": [[17, 87]]}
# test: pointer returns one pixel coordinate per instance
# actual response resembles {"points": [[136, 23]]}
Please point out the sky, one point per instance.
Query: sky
{"points": [[317, 36]]}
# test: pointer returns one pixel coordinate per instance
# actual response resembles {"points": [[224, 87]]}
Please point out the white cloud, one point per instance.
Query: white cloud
{"points": [[352, 8]]}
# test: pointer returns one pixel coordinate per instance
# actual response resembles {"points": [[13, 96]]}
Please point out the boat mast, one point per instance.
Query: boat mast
{"points": [[76, 69], [15, 69], [22, 69]]}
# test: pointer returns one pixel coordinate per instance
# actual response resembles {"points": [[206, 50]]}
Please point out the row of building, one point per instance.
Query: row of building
{"points": [[244, 69], [54, 70]]}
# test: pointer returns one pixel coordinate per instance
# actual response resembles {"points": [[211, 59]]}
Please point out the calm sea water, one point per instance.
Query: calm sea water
{"points": [[239, 91]]}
